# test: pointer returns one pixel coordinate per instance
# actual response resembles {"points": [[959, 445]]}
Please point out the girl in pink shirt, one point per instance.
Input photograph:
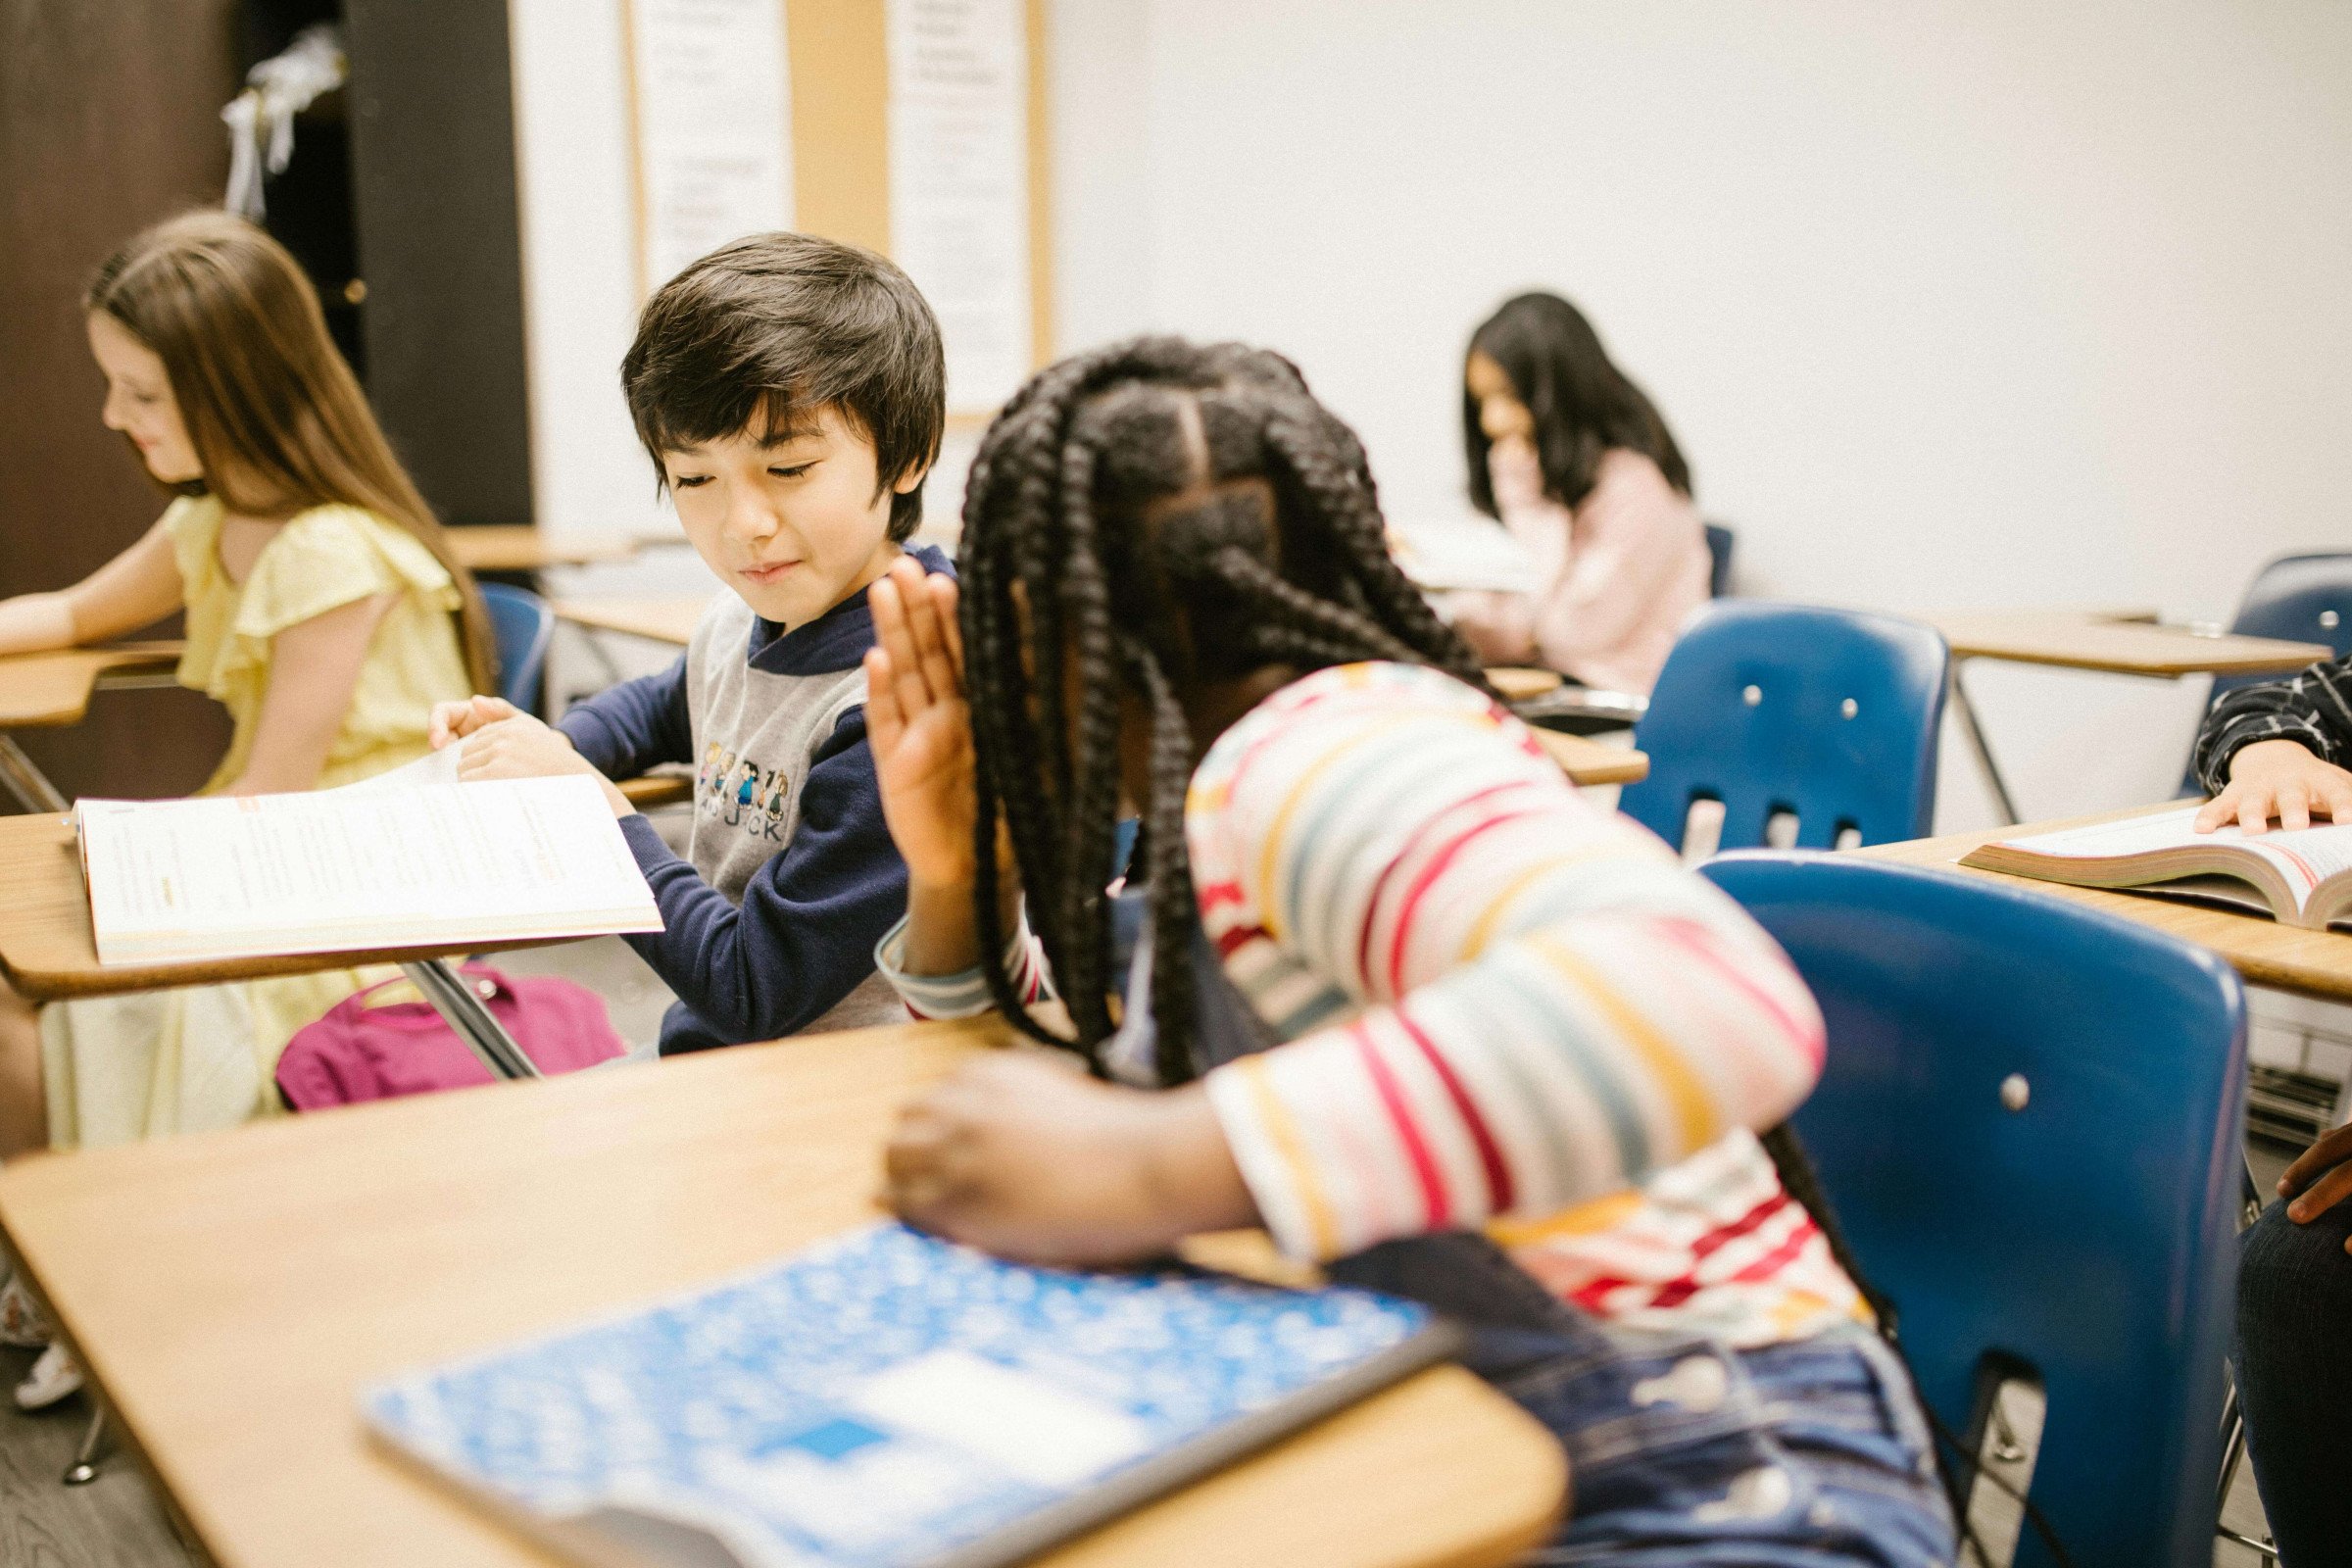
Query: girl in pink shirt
{"points": [[1578, 465]]}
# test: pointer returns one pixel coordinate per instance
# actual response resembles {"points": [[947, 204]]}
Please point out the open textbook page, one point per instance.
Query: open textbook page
{"points": [[1467, 552], [358, 868], [2302, 877]]}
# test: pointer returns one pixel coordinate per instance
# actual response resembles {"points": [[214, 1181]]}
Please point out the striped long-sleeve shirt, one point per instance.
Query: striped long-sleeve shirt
{"points": [[2312, 707], [1503, 1007]]}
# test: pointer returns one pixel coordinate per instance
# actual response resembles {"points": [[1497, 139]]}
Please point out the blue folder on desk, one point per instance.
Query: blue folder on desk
{"points": [[888, 1401]]}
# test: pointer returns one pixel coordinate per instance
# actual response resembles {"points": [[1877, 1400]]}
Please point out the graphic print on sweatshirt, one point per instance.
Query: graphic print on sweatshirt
{"points": [[734, 790]]}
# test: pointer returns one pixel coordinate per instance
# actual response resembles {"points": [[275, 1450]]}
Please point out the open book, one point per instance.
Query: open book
{"points": [[2301, 878], [889, 1401], [1467, 552], [396, 862]]}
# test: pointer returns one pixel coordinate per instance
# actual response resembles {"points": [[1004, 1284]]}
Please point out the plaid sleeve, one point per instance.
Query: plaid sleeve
{"points": [[2312, 707]]}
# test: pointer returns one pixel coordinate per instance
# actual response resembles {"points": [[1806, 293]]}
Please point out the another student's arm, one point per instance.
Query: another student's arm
{"points": [[1634, 540], [314, 670], [2280, 750], [1573, 1009], [137, 588]]}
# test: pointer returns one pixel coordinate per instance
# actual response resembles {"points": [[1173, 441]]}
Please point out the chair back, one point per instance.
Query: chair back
{"points": [[522, 624], [1719, 560], [1831, 714], [2299, 599], [2028, 1125]]}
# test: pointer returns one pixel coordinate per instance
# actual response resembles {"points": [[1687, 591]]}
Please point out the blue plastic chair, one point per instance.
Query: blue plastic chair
{"points": [[1830, 713], [2301, 598], [2088, 1235], [1719, 560], [524, 626]]}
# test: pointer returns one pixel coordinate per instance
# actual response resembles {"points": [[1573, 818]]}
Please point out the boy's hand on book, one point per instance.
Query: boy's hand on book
{"points": [[1021, 1155], [2321, 1179], [919, 724], [2281, 779], [524, 746], [453, 722]]}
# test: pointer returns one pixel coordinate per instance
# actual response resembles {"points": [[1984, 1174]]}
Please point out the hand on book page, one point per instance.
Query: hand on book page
{"points": [[2281, 779], [2300, 873]]}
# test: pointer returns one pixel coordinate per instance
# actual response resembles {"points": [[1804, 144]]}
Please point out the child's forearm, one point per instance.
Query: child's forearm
{"points": [[32, 624], [943, 936]]}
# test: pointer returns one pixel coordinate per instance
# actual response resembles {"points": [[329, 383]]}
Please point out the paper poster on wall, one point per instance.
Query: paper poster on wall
{"points": [[714, 115], [959, 185]]}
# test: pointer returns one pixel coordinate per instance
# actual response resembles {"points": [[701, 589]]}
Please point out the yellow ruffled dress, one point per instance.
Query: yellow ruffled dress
{"points": [[122, 1068]]}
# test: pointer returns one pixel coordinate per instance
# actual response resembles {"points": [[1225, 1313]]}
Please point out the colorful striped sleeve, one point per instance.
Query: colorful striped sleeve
{"points": [[1502, 999], [964, 995]]}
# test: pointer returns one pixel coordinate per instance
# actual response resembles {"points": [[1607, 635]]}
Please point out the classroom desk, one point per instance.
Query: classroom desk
{"points": [[2286, 957], [519, 547], [2118, 642], [48, 954], [667, 618], [231, 1293], [42, 691]]}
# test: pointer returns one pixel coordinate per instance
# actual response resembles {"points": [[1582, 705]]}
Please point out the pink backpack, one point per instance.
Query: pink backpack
{"points": [[359, 1053]]}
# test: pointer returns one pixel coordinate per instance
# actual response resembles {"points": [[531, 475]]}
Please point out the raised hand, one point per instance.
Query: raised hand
{"points": [[920, 726]]}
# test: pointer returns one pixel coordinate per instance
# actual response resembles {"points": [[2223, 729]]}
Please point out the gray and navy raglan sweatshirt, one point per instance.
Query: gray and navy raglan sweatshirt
{"points": [[790, 877]]}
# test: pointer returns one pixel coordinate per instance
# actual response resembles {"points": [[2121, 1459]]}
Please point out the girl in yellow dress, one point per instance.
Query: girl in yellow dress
{"points": [[324, 611]]}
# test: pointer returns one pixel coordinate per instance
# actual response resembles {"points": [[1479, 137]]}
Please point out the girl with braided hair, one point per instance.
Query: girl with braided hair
{"points": [[1402, 995]]}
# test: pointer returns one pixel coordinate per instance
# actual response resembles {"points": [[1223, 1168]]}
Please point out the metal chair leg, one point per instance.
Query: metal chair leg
{"points": [[85, 1468], [2233, 1454], [1974, 733]]}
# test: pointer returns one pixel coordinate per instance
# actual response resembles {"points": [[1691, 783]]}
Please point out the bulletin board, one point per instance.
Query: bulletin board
{"points": [[836, 94]]}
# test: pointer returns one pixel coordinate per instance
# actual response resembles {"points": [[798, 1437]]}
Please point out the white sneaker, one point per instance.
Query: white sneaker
{"points": [[22, 1324], [54, 1377]]}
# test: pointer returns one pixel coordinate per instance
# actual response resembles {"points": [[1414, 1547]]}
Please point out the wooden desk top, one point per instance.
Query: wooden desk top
{"points": [[501, 547], [47, 950], [231, 1293], [1518, 682], [2119, 642], [41, 690], [661, 619], [2317, 963], [1587, 761]]}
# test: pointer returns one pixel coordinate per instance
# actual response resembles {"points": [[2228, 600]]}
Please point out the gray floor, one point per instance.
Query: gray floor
{"points": [[113, 1522], [118, 1522]]}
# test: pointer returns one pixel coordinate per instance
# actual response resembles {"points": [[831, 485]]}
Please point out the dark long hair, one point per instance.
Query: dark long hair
{"points": [[1583, 404], [276, 417], [1141, 520]]}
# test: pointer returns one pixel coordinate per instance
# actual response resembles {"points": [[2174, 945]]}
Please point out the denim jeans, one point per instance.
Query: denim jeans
{"points": [[2294, 1379], [1683, 1451]]}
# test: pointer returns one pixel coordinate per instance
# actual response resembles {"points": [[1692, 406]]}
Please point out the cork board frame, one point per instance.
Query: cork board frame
{"points": [[836, 56]]}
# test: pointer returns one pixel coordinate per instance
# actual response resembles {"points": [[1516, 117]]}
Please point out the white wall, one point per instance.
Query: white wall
{"points": [[588, 474], [1996, 302]]}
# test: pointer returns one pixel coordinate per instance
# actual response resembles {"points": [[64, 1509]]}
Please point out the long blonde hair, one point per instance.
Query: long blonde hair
{"points": [[276, 417]]}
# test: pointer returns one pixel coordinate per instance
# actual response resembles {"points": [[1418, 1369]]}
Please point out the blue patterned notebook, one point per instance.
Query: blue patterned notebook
{"points": [[887, 1401]]}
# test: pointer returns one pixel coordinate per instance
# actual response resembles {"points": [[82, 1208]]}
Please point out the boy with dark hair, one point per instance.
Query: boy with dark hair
{"points": [[791, 393]]}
